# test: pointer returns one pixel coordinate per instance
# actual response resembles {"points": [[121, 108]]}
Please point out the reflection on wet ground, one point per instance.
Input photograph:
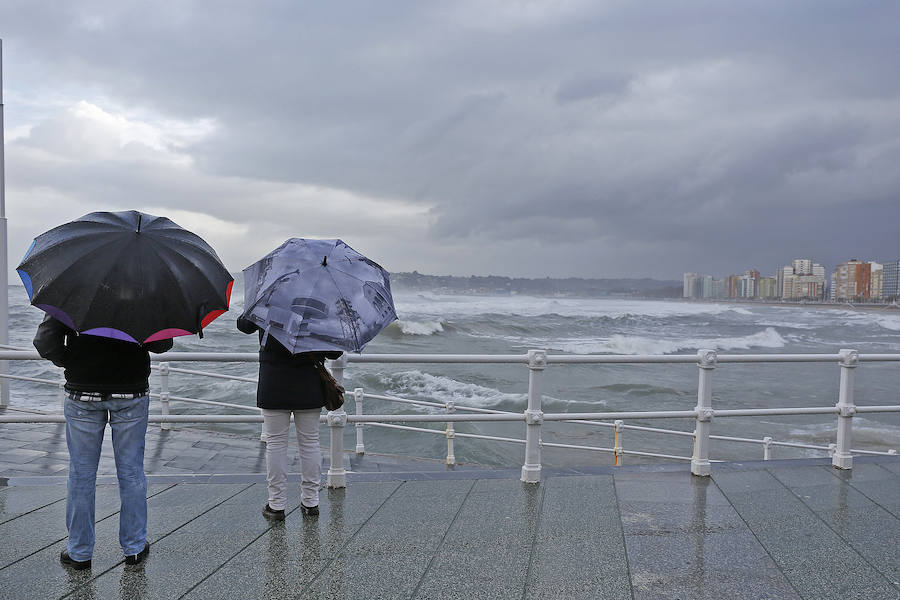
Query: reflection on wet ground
{"points": [[780, 529]]}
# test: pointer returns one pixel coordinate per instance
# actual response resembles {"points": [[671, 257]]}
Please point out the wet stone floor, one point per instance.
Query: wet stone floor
{"points": [[407, 529]]}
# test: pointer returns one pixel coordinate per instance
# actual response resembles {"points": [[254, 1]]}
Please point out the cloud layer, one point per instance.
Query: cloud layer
{"points": [[522, 138]]}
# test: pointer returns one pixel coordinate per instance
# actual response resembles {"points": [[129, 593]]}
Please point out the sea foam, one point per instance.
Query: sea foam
{"points": [[627, 344]]}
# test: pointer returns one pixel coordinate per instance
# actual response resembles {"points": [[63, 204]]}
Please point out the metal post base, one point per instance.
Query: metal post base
{"points": [[839, 461], [700, 468], [531, 473]]}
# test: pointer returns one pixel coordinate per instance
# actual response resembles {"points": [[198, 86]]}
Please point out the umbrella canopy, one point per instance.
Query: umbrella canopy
{"points": [[316, 295], [126, 275]]}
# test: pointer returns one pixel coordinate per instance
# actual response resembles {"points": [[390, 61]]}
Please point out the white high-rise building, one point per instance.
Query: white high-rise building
{"points": [[803, 279], [690, 285], [876, 281], [802, 266]]}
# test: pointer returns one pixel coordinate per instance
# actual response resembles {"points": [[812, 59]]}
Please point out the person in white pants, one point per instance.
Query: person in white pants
{"points": [[277, 425], [289, 385]]}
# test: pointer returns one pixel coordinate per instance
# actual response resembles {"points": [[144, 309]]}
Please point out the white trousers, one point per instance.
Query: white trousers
{"points": [[276, 424]]}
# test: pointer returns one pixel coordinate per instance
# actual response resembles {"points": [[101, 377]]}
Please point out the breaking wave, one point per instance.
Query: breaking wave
{"points": [[624, 344], [437, 388], [420, 327]]}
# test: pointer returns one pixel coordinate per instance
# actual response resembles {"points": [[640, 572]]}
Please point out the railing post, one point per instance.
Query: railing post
{"points": [[706, 360], [337, 476], [358, 401], [767, 448], [337, 420], [618, 427], [534, 417], [846, 407], [450, 408], [164, 393]]}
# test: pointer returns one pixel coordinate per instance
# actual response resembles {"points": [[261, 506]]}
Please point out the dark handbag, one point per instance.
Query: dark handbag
{"points": [[332, 391]]}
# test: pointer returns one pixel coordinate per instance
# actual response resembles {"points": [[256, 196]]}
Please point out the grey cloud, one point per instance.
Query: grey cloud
{"points": [[758, 129]]}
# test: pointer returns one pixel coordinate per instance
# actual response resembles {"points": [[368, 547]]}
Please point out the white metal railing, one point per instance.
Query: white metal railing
{"points": [[533, 416]]}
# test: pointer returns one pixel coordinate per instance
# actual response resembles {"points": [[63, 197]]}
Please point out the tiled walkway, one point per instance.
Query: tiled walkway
{"points": [[780, 530]]}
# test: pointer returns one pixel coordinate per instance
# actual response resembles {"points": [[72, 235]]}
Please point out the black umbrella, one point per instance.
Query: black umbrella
{"points": [[126, 275]]}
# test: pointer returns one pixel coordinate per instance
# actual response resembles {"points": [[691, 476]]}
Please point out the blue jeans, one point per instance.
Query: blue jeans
{"points": [[85, 424]]}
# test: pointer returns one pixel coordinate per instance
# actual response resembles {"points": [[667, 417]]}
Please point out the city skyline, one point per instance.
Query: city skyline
{"points": [[805, 279]]}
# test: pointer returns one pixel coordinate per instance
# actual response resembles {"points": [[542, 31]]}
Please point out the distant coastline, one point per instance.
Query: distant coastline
{"points": [[554, 287]]}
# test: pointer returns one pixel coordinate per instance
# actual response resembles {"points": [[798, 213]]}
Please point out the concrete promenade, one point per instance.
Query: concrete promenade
{"points": [[413, 529]]}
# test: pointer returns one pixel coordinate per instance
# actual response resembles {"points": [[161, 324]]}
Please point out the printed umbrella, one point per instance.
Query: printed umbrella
{"points": [[126, 275], [317, 295]]}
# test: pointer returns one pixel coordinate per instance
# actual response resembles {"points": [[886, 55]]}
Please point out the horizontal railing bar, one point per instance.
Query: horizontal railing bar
{"points": [[776, 358], [439, 358], [456, 433], [878, 357], [656, 455], [58, 418], [669, 414], [433, 418], [208, 374], [875, 452], [750, 412], [871, 409], [434, 404], [401, 400], [728, 438], [600, 359], [407, 428], [575, 447], [498, 358], [799, 445], [33, 379], [493, 438], [658, 430], [209, 402]]}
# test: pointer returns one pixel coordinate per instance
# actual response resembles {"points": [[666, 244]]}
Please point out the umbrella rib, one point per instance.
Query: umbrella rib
{"points": [[105, 273], [353, 328], [191, 265]]}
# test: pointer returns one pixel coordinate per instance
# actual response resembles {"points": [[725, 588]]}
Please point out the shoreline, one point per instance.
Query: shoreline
{"points": [[864, 307]]}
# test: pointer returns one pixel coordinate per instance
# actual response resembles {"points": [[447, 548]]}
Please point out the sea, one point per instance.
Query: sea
{"points": [[431, 322]]}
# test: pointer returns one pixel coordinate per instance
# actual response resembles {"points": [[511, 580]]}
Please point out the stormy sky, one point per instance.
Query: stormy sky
{"points": [[556, 138]]}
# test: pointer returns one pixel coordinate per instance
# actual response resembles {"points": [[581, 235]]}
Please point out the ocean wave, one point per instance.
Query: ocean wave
{"points": [[866, 432], [625, 344], [417, 327], [438, 388], [891, 322], [431, 305]]}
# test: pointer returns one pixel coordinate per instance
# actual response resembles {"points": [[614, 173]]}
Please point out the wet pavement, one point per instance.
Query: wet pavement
{"points": [[414, 529]]}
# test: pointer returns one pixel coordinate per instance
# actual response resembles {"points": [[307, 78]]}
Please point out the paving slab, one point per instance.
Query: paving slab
{"points": [[296, 551], [579, 548], [816, 560], [26, 499], [208, 539], [487, 551], [693, 544], [39, 575]]}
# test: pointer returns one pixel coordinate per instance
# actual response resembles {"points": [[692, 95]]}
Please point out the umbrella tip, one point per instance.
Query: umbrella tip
{"points": [[324, 261]]}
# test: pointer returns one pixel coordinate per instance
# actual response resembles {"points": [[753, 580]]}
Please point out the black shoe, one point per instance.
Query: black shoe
{"points": [[309, 511], [273, 515], [70, 562], [136, 559]]}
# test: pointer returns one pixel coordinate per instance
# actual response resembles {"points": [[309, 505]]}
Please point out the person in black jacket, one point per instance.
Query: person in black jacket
{"points": [[106, 381], [289, 384]]}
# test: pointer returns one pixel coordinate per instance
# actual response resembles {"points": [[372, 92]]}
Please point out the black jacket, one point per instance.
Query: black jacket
{"points": [[286, 381], [94, 363]]}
